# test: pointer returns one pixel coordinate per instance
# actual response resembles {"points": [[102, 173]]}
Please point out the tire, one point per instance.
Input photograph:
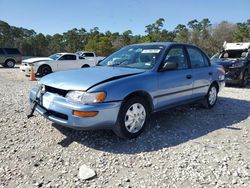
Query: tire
{"points": [[244, 79], [211, 97], [44, 70], [85, 66], [9, 63], [130, 121]]}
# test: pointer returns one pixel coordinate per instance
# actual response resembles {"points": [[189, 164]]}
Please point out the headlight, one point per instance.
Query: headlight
{"points": [[237, 65], [85, 97]]}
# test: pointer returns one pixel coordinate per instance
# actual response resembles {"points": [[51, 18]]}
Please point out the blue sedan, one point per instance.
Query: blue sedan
{"points": [[125, 88]]}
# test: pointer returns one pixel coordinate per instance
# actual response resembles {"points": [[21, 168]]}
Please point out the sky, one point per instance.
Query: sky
{"points": [[58, 16]]}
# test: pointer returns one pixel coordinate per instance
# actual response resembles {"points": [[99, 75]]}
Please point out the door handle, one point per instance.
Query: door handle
{"points": [[189, 76], [210, 73]]}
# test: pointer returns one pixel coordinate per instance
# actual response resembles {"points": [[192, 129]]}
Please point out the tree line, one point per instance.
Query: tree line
{"points": [[210, 37]]}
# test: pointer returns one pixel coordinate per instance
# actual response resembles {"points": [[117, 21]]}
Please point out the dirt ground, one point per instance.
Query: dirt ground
{"points": [[188, 146]]}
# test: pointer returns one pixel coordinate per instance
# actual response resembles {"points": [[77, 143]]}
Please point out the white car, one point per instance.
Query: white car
{"points": [[90, 56], [56, 62]]}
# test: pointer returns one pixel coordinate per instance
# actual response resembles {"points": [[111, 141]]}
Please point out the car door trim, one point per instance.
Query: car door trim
{"points": [[176, 92]]}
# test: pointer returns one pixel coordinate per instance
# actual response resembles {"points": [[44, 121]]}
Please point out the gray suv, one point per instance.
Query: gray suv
{"points": [[9, 57]]}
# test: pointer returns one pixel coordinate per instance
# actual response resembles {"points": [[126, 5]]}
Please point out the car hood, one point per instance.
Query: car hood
{"points": [[228, 62], [36, 59], [83, 79]]}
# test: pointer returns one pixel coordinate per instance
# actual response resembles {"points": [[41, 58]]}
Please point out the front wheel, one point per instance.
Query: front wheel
{"points": [[44, 70], [211, 97], [132, 118], [244, 79]]}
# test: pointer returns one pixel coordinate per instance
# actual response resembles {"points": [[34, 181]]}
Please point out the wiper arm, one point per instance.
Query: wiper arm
{"points": [[118, 63]]}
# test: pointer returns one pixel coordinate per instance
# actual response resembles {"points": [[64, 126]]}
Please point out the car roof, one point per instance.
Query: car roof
{"points": [[66, 53], [166, 44]]}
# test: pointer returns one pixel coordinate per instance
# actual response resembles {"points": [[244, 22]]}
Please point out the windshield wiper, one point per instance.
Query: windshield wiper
{"points": [[118, 63]]}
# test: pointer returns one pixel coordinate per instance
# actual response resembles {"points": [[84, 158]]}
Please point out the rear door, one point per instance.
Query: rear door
{"points": [[66, 62], [90, 56], [201, 71], [175, 86], [2, 56]]}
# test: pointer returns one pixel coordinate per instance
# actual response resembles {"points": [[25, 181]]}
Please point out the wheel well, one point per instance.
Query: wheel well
{"points": [[9, 60], [85, 65], [216, 85], [44, 66], [144, 95]]}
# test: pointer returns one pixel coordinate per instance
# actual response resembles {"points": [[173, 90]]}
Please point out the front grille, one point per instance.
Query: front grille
{"points": [[55, 90], [57, 114]]}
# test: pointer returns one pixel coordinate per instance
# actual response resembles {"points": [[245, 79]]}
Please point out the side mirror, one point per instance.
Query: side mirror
{"points": [[169, 65]]}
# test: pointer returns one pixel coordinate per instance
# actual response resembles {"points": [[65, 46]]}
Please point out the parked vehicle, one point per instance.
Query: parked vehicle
{"points": [[122, 91], [9, 57], [90, 56], [56, 62], [235, 58]]}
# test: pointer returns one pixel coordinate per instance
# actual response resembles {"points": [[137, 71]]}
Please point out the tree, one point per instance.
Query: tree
{"points": [[242, 33], [181, 33]]}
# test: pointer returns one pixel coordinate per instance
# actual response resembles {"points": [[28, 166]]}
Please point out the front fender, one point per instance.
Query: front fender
{"points": [[52, 64], [117, 90]]}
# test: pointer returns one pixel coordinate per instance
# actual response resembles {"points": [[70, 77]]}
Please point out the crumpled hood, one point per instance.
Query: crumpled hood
{"points": [[228, 62], [83, 79], [36, 59]]}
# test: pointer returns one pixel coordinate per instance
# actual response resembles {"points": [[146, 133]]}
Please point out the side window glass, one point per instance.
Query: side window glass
{"points": [[196, 58], [1, 51], [88, 54], [177, 55], [63, 57], [205, 60], [71, 57]]}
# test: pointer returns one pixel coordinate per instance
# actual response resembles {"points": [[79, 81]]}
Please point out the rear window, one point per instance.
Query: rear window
{"points": [[11, 50], [88, 54], [1, 51]]}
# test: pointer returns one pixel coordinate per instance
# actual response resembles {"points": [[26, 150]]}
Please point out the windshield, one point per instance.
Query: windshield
{"points": [[139, 56], [233, 54], [55, 56]]}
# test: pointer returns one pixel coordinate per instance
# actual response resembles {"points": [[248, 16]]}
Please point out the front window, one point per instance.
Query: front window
{"points": [[139, 56], [177, 55], [55, 56]]}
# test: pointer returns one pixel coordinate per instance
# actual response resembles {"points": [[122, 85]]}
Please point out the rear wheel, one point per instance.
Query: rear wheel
{"points": [[132, 118], [85, 66], [211, 97], [244, 79], [44, 70], [10, 63]]}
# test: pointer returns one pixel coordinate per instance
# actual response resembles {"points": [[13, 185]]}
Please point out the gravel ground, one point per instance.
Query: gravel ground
{"points": [[184, 147]]}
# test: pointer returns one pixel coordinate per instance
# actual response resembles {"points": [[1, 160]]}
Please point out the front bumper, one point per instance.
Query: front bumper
{"points": [[233, 75], [27, 69], [59, 110]]}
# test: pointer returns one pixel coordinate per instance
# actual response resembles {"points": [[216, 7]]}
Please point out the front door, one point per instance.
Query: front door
{"points": [[175, 86], [67, 62]]}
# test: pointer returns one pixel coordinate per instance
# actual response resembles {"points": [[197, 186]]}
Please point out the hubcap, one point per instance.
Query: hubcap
{"points": [[10, 64], [212, 95], [135, 118], [45, 70]]}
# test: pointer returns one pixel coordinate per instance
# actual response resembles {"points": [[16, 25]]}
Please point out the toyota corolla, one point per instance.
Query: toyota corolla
{"points": [[126, 87]]}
